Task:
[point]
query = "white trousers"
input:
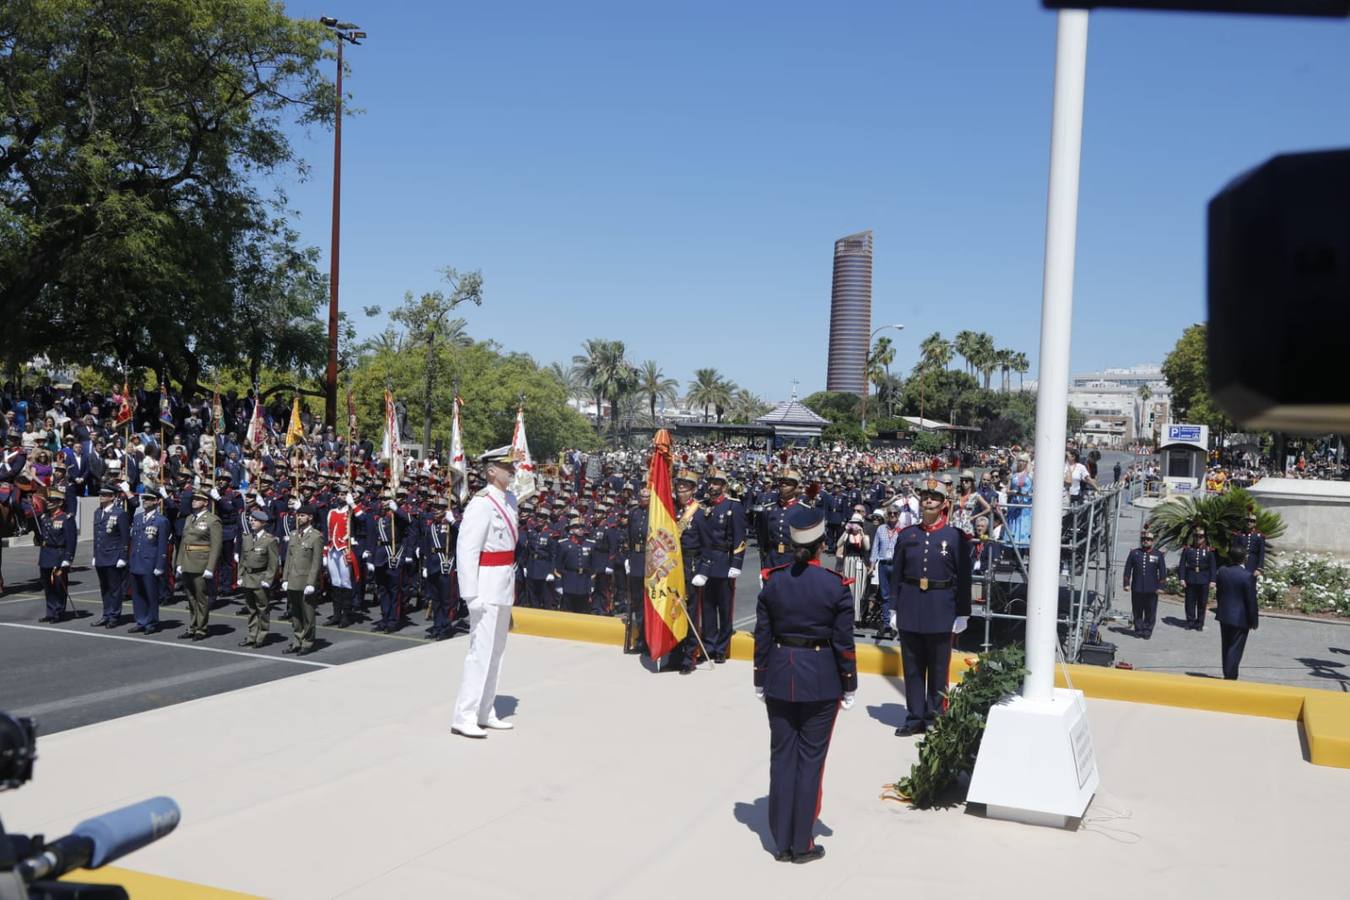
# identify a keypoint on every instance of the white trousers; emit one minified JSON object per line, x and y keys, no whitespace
{"x":489,"y":625}
{"x":339,"y":569}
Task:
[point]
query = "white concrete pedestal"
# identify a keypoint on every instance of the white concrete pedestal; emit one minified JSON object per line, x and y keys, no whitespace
{"x":1036,"y":764}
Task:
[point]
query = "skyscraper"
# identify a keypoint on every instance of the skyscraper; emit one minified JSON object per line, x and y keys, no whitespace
{"x":850,"y":313}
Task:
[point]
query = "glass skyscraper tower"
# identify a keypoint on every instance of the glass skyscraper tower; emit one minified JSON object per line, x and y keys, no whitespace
{"x":850,"y":313}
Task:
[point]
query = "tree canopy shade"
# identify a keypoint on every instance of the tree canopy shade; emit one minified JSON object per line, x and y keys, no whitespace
{"x":132,"y":136}
{"x":1186,"y":369}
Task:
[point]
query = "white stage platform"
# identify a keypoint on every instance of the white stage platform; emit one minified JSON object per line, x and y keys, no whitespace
{"x":346,"y":782}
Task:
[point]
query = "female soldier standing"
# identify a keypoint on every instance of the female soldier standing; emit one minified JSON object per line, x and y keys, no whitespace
{"x":805,"y":669}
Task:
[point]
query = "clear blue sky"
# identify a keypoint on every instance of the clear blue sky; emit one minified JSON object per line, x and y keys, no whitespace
{"x":675,"y":175}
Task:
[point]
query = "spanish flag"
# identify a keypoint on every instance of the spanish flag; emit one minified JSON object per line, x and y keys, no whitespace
{"x":665,"y":620}
{"x":295,"y":432}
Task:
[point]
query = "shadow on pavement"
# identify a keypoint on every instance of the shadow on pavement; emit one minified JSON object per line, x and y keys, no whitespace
{"x":755,"y":816}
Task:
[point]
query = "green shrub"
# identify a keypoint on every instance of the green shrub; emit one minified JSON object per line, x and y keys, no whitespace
{"x":1308,"y":582}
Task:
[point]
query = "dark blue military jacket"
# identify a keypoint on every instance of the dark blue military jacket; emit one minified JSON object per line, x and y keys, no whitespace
{"x":438,"y":547}
{"x":637,"y":541}
{"x":777,"y":537}
{"x":58,"y":542}
{"x":149,"y":543}
{"x":1145,"y":571}
{"x":575,"y":565}
{"x":930,"y":576}
{"x":539,"y":552}
{"x":1197,"y":565}
{"x":1253,"y":544}
{"x":804,"y":635}
{"x":721,"y":534}
{"x":111,"y":534}
{"x":229,"y":509}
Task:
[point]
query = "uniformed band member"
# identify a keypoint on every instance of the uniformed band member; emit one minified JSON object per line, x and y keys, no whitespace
{"x":57,"y":551}
{"x":258,"y":561}
{"x":300,"y":580}
{"x":1235,"y":593}
{"x":805,"y":670}
{"x":687,"y":507}
{"x":112,"y":536}
{"x":575,"y":567}
{"x":931,"y":575}
{"x":721,"y":534}
{"x":1253,"y":544}
{"x":1197,"y":570}
{"x":635,"y":568}
{"x":1145,"y":575}
{"x":776,"y":542}
{"x":486,"y":554}
{"x":149,"y":560}
{"x":198,"y":554}
{"x":438,"y":567}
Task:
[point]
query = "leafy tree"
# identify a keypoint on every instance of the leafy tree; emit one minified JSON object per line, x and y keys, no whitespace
{"x":1187,"y":372}
{"x":746,"y":406}
{"x":710,"y":390}
{"x":134,"y":134}
{"x":840,"y":407}
{"x":965,"y":346}
{"x":927,"y":442}
{"x":654,"y":384}
{"x":1021,"y":365}
{"x":1075,"y":420}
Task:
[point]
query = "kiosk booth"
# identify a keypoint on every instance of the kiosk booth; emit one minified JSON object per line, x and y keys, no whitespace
{"x":1184,"y":450}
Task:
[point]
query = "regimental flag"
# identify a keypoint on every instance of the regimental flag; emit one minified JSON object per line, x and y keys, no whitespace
{"x":522,"y":484}
{"x":665,"y":620}
{"x":257,"y":432}
{"x":295,"y":431}
{"x":165,"y":411}
{"x":391,"y":448}
{"x":127,"y":409}
{"x":217,"y":412}
{"x":458,"y":464}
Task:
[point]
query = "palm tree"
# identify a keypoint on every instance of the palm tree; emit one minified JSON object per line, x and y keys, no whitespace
{"x":1021,"y":365}
{"x":879,"y":362}
{"x":603,"y":369}
{"x":567,"y":377}
{"x":985,"y":357}
{"x":1005,"y":364}
{"x":746,"y":406}
{"x":965,"y":347}
{"x":710,"y":390}
{"x":935,"y":352}
{"x":654,"y":383}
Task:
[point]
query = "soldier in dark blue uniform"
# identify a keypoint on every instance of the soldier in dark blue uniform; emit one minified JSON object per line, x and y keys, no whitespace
{"x":776,"y":542}
{"x":1253,"y":545}
{"x":721,"y":532}
{"x":387,"y":529}
{"x":1235,"y":592}
{"x":1145,"y":575}
{"x":438,"y":566}
{"x":537,"y":560}
{"x":805,"y":669}
{"x":230,"y":511}
{"x":149,"y":560}
{"x":574,"y":567}
{"x":691,"y":547}
{"x":635,"y":567}
{"x":1196,"y":571}
{"x":112,"y":534}
{"x":931,"y":574}
{"x":56,"y":532}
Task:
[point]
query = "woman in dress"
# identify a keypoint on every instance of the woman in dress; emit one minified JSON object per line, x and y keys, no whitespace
{"x":853,"y":552}
{"x":1019,"y":505}
{"x":968,"y":504}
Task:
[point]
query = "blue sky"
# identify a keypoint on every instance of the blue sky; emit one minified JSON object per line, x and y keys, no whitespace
{"x":675,"y":175}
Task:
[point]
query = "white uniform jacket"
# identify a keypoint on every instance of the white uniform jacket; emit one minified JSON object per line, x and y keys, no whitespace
{"x":490,"y":526}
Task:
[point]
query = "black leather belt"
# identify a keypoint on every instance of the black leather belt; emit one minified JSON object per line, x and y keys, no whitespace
{"x":804,"y":643}
{"x":929,"y":584}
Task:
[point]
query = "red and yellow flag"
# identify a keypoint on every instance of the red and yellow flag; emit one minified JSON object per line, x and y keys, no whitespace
{"x":665,"y":621}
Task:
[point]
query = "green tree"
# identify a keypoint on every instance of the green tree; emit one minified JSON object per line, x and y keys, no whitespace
{"x":935,"y":352}
{"x":603,"y":368}
{"x":709,"y":390}
{"x":134,"y":135}
{"x":840,"y":407}
{"x":746,"y":406}
{"x":985,"y":357}
{"x":1187,"y":372}
{"x":965,"y":346}
{"x":1021,"y":365}
{"x":654,"y":384}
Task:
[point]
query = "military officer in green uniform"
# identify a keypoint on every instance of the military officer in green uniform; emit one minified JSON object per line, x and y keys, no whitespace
{"x":198,"y":553}
{"x":257,"y":568}
{"x":300,"y":579}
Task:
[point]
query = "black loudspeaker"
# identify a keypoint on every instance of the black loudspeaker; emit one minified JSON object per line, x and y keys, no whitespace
{"x":1279,"y":294}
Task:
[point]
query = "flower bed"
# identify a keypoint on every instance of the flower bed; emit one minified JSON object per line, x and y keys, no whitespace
{"x":1306,"y":582}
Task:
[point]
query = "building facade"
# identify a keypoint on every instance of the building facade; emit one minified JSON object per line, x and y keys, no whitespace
{"x":1123,"y":406}
{"x":850,"y":314}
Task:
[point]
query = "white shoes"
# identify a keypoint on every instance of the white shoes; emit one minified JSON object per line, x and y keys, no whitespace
{"x":468,"y":731}
{"x":496,"y":724}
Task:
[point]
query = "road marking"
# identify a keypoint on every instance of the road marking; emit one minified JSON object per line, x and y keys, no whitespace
{"x":24,"y":598}
{"x":154,"y":643}
{"x":131,"y":690}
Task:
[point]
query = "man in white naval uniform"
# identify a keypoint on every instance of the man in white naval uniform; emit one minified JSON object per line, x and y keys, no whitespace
{"x":486,"y":551}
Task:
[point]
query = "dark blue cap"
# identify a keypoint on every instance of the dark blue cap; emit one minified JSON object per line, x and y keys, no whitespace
{"x":806,"y":523}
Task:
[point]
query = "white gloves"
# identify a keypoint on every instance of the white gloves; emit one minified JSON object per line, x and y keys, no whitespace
{"x":65,"y":564}
{"x":370,"y":567}
{"x":733,"y":573}
{"x":609,"y":571}
{"x":294,"y":504}
{"x":285,"y":585}
{"x":215,"y":494}
{"x":264,"y":585}
{"x":759,"y":694}
{"x":350,"y":498}
{"x":365,"y":554}
{"x":236,"y":557}
{"x":178,"y":571}
{"x":259,"y":500}
{"x":892,"y":621}
{"x":847,"y":702}
{"x":699,"y":580}
{"x":627,"y":569}
{"x":125,"y":486}
{"x":548,"y":577}
{"x":424,"y":571}
{"x":392,"y":505}
{"x":121,"y":564}
{"x":960,"y":624}
{"x":159,"y":572}
{"x":558,"y":589}
{"x":309,"y":589}
{"x":207,"y":573}
{"x":163,"y":493}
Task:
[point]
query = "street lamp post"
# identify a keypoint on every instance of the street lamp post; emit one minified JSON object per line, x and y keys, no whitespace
{"x":343,"y":33}
{"x":866,"y":357}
